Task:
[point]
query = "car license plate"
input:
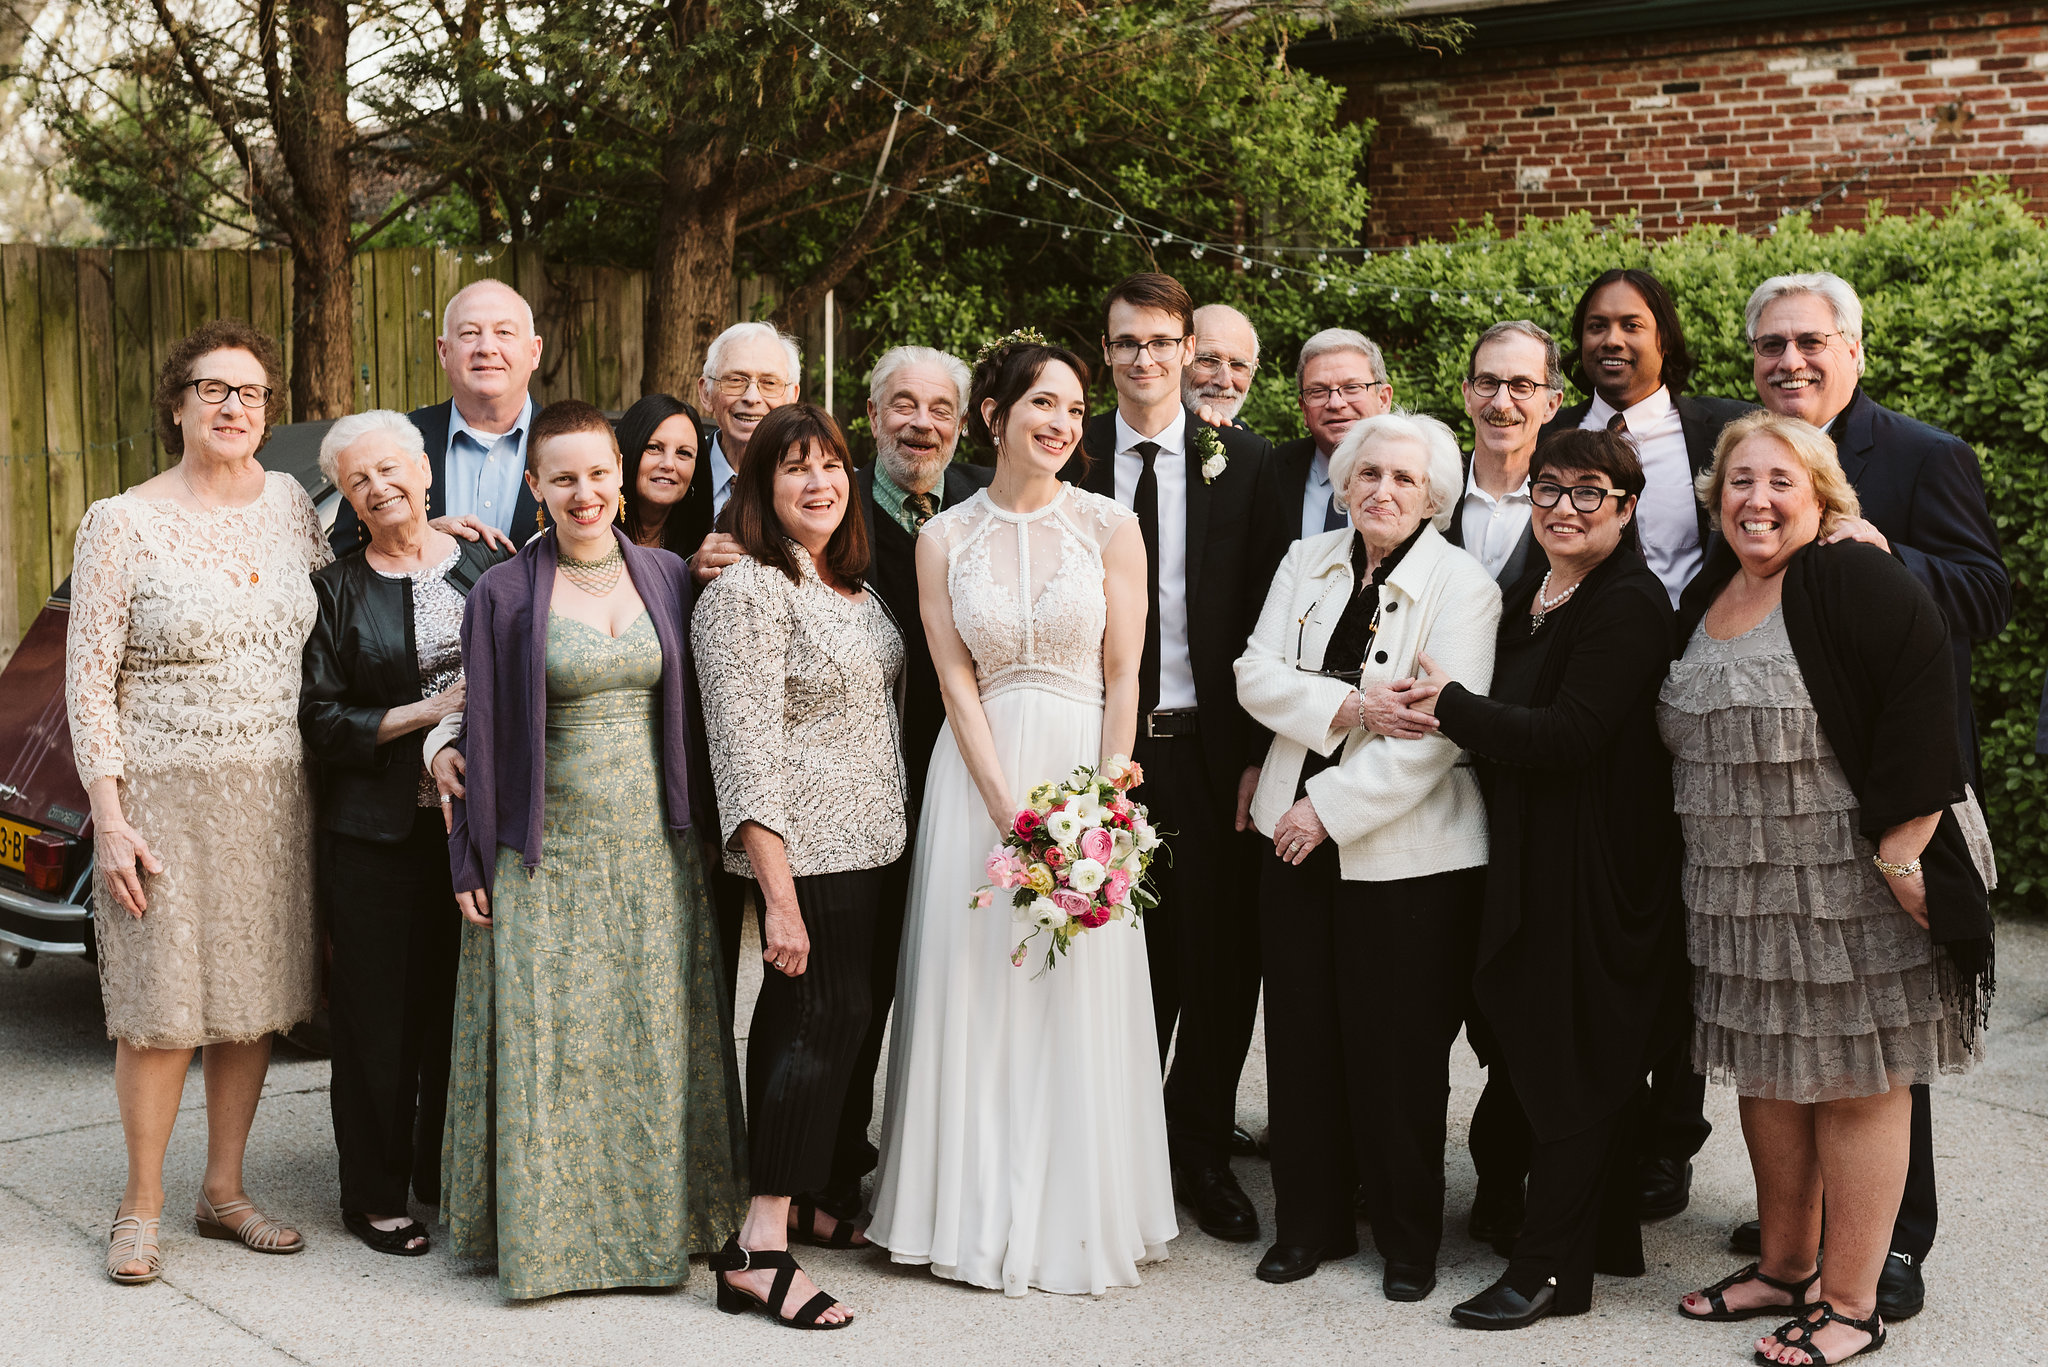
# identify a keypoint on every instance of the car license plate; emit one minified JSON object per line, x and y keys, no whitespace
{"x":13,"y":843}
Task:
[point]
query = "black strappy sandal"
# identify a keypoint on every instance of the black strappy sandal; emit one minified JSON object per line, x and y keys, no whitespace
{"x":734,"y":1301}
{"x":392,"y":1241}
{"x":1806,"y":1327}
{"x":806,"y":1230}
{"x":1721,"y":1313}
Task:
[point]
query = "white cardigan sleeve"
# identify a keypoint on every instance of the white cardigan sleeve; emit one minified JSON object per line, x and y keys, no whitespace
{"x":1381,"y":780}
{"x":1279,"y":697}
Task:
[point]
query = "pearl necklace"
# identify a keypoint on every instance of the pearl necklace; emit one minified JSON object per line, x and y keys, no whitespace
{"x":1545,"y":605}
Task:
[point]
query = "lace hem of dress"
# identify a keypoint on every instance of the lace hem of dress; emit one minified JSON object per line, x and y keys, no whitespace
{"x":1788,"y":788}
{"x":1743,"y":735}
{"x":1044,"y":679}
{"x":1786,"y":1006}
{"x":1736,"y":841}
{"x":1813,"y":1070}
{"x":1792,"y":948}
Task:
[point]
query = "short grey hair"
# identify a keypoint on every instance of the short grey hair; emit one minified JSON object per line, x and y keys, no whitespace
{"x":1553,"y":362}
{"x":1840,"y":294}
{"x":714,"y":355}
{"x":898,"y":358}
{"x":1343,"y":339}
{"x":1236,"y":313}
{"x":1446,"y":466}
{"x":347,"y":431}
{"x":448,"y":309}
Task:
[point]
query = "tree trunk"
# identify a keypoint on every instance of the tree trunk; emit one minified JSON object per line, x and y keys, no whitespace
{"x":690,"y":288}
{"x":313,"y":135}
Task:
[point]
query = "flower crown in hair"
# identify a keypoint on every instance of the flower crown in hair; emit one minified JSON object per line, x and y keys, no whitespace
{"x":1021,"y":337}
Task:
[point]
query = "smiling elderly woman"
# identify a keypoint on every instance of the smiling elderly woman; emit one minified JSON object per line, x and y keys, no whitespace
{"x":1369,"y":902}
{"x":383,"y":663}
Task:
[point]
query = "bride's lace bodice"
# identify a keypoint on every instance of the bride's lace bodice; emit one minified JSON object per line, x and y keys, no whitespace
{"x":1027,"y":589}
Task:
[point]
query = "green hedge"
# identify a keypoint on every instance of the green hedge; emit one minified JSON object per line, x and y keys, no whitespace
{"x":1956,"y":332}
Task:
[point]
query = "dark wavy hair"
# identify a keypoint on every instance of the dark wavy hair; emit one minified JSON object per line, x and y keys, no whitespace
{"x":1006,"y":375}
{"x":1678,"y":362}
{"x":636,"y":428}
{"x":1606,"y":454}
{"x":222,"y":334}
{"x":750,"y":513}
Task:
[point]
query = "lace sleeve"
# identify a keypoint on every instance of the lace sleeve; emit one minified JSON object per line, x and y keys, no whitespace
{"x":303,"y":526}
{"x":98,"y":639}
{"x":1102,"y":517}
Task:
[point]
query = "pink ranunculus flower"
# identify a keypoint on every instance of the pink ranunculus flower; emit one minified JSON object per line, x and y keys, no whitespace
{"x":1074,"y":904}
{"x":1094,"y":916}
{"x":1027,"y":823}
{"x":984,"y":899}
{"x":1096,"y":845}
{"x":1055,"y":857}
{"x":1002,"y":869}
{"x":1117,"y":887}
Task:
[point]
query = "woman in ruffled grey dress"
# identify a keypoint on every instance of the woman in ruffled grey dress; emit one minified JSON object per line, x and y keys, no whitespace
{"x":1811,"y":717}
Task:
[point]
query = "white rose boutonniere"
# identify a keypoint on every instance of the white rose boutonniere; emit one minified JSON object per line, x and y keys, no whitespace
{"x":1209,"y":447}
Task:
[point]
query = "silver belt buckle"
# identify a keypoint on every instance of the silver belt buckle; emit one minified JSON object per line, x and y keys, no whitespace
{"x":1150,"y":733}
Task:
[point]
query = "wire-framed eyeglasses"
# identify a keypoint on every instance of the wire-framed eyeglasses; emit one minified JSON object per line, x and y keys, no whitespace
{"x":1350,"y":676}
{"x":1520,"y":387}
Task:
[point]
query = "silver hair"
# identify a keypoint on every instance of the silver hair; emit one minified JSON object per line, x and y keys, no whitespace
{"x":448,"y":310}
{"x":1343,"y":339}
{"x":714,"y":355}
{"x":1553,"y":367}
{"x":347,"y":431}
{"x":1236,"y":313}
{"x":897,"y":358}
{"x":1840,"y":294}
{"x":1439,"y":443}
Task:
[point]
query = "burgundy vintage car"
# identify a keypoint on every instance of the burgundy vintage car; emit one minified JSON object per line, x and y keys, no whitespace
{"x":45,"y":820}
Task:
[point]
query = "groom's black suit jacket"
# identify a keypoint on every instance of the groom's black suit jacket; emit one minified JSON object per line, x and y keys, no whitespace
{"x":1235,"y":540}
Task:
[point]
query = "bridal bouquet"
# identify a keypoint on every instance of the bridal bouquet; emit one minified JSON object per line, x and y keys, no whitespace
{"x":1075,"y":858}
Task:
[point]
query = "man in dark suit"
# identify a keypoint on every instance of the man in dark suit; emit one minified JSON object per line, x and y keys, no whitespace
{"x":1226,"y":358}
{"x":1629,"y":352}
{"x":1340,"y":379}
{"x":476,"y":441}
{"x":1201,"y":496}
{"x":1514,"y":382}
{"x":1923,"y":501}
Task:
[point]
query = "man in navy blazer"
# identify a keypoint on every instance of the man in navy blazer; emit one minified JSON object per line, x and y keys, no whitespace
{"x":1923,"y":501}
{"x":476,"y":441}
{"x":1340,"y":379}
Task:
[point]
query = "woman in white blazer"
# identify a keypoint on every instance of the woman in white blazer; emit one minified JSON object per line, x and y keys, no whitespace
{"x":1369,"y":899}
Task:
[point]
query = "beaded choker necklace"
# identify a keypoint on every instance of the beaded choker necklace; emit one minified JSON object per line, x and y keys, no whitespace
{"x":595,"y":577}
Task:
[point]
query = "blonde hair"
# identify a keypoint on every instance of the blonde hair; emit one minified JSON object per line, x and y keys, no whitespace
{"x":1815,"y":450}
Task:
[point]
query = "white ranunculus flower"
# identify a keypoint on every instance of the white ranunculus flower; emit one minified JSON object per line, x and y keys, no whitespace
{"x":1046,"y":915}
{"x":1122,"y":845}
{"x":1064,"y":826}
{"x":1148,"y":839}
{"x":1085,"y":875}
{"x":1213,"y":467}
{"x":1089,"y":808}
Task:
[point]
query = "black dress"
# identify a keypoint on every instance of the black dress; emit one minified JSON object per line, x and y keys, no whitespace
{"x":1581,"y":940}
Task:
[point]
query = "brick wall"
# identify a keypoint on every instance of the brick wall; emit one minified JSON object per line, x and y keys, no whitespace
{"x":1903,"y":106}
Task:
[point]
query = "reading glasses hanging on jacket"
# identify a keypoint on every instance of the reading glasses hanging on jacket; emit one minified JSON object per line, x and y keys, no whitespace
{"x":1350,"y":676}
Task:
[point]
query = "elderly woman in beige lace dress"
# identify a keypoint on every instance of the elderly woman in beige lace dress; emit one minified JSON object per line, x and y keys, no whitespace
{"x":190,"y":606}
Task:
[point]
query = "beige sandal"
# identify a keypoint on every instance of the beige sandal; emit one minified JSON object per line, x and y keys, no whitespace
{"x":259,"y":1231}
{"x":133,"y":1240}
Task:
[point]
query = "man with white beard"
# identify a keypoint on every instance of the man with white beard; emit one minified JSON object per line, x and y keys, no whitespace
{"x":1215,"y":383}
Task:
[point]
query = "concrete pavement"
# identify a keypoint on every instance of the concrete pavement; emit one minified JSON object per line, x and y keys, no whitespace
{"x":338,"y":1304}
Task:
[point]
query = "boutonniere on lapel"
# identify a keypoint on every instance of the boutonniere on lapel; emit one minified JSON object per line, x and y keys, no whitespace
{"x":1209,"y":447}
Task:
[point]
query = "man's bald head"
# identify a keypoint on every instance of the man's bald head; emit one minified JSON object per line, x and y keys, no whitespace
{"x":488,"y":349}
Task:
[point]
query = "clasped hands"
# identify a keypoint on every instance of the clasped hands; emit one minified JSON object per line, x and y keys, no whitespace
{"x":1404,"y":709}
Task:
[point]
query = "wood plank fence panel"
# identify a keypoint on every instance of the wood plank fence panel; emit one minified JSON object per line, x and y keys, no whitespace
{"x":270,"y":308}
{"x":63,"y":420}
{"x":99,"y":411}
{"x":134,"y":366}
{"x":27,"y":523}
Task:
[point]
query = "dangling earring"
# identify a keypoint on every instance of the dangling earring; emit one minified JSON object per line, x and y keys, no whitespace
{"x":622,"y":510}
{"x":540,"y":519}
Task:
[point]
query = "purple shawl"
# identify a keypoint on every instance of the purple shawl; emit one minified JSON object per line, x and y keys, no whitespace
{"x":504,"y":736}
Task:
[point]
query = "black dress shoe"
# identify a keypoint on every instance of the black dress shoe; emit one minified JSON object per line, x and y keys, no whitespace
{"x":1666,"y":1190}
{"x":1747,"y":1237}
{"x":1222,"y":1210}
{"x":1901,"y":1293}
{"x":1500,"y":1306}
{"x":1407,"y":1281}
{"x":1291,"y":1262}
{"x":1242,"y":1145}
{"x":1497,"y":1218}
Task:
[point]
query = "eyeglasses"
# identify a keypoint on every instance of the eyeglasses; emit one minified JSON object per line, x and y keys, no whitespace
{"x":1124,"y":351}
{"x":1521,"y":387}
{"x":1350,"y":676}
{"x":1587,"y":498}
{"x":1350,"y":393}
{"x":1770,"y":346}
{"x":217,"y":391}
{"x":732,"y":386}
{"x":1210,"y":361}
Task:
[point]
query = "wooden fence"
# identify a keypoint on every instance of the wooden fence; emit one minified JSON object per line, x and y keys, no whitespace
{"x":84,"y":332}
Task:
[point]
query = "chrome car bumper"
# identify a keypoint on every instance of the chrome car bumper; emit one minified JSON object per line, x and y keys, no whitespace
{"x":48,"y":927}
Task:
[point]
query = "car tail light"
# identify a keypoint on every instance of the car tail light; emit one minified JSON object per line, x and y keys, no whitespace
{"x":43,"y":859}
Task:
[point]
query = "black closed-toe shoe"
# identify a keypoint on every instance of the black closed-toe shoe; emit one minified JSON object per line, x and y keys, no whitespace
{"x":1408,"y":1281}
{"x":1901,"y":1293}
{"x":1497,"y":1218}
{"x":1222,"y":1210}
{"x":1242,"y":1145}
{"x":1500,"y":1306}
{"x":1666,"y":1190}
{"x":1285,"y":1263}
{"x":1747,"y":1238}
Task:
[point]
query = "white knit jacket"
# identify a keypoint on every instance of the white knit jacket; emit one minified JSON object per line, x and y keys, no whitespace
{"x":1396,"y":808}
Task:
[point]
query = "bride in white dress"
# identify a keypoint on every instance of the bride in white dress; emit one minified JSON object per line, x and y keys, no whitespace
{"x":1024,"y":1135}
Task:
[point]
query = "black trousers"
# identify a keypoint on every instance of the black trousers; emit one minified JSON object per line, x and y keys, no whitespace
{"x":1678,"y":1125}
{"x":1913,"y":1231}
{"x":1205,"y":977}
{"x":397,"y":937}
{"x":1367,"y":985}
{"x":729,"y":909}
{"x":1581,"y":1214}
{"x":1499,"y":1137}
{"x":853,"y":1156}
{"x":807,"y":1031}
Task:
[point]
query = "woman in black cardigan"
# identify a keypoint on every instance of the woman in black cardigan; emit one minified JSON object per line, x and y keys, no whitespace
{"x":384,"y":663}
{"x":661,"y":441}
{"x":1836,"y":909}
{"x":1579,"y":943}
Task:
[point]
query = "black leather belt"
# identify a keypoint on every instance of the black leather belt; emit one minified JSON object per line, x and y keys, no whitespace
{"x":1171,"y":723}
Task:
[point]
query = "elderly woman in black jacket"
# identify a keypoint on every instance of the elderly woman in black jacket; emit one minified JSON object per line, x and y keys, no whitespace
{"x":384,"y":662}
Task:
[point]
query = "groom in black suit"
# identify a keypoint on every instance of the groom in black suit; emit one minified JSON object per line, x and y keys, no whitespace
{"x":1204,"y":506}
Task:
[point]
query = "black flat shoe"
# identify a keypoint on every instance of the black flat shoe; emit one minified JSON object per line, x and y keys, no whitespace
{"x":1408,"y":1281}
{"x":1901,"y":1294}
{"x":392,"y":1241}
{"x":1666,"y":1189}
{"x":1500,"y":1306}
{"x":1747,"y":1239}
{"x":1291,"y":1262}
{"x":1496,"y":1219}
{"x":1222,"y":1210}
{"x":1242,"y":1145}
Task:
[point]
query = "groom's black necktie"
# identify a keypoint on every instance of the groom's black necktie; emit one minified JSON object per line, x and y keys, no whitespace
{"x":1145,"y":503}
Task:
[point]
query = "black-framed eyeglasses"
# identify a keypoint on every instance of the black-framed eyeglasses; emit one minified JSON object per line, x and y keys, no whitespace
{"x":1770,"y":346}
{"x":217,"y":391}
{"x":1350,"y":393}
{"x":1520,"y":387}
{"x":1124,"y":350}
{"x":1587,"y":498}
